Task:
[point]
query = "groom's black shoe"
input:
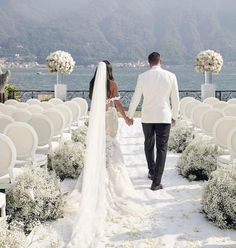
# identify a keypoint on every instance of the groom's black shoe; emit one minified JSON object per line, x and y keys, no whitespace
{"x":150,"y":176}
{"x":156,"y":186}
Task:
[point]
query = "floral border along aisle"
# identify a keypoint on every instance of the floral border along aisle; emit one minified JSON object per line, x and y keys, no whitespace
{"x":34,"y":199}
{"x":199,"y":159}
{"x":67,"y":160}
{"x":180,"y":137}
{"x":219,"y":198}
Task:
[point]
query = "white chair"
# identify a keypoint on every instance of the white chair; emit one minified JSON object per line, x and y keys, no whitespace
{"x":75,"y":109}
{"x":221,"y":131}
{"x":208,"y":120}
{"x":33,"y":101}
{"x":56,"y":101}
{"x":3,"y":204}
{"x":5,"y":120}
{"x":25,"y":140}
{"x":231,"y":144}
{"x":44,"y":129}
{"x":183,"y":102}
{"x":46,"y":105}
{"x":211,"y":100}
{"x":11,"y":102}
{"x":8,"y":110}
{"x":22,"y":105}
{"x":197,"y":113}
{"x":21,"y":115}
{"x":35,"y":109}
{"x":67,"y":113}
{"x":188,"y":109}
{"x":57,"y":119}
{"x":232,"y":101}
{"x":83,"y":105}
{"x":8,"y":160}
{"x":222,"y":128}
{"x":230,"y":110}
{"x":220,"y":105}
{"x":1,"y":105}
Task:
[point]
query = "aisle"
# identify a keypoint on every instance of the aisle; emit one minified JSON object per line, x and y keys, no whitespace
{"x":176,"y":220}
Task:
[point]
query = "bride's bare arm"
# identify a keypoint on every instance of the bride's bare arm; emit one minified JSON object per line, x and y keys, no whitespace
{"x":119,"y":106}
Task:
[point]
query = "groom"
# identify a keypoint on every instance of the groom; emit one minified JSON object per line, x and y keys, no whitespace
{"x":159,"y":89}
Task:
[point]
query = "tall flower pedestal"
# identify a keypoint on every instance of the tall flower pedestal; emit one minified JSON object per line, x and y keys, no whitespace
{"x":208,"y":89}
{"x":60,"y":91}
{"x":60,"y":88}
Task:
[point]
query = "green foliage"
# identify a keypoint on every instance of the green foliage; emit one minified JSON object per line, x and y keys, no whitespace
{"x":12,"y":92}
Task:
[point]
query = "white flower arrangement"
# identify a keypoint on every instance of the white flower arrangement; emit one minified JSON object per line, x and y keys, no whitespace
{"x":11,"y":238}
{"x":67,"y":160}
{"x":80,"y":134}
{"x":35,"y":198}
{"x":209,"y":61}
{"x":180,"y":137}
{"x":199,"y":159}
{"x":60,"y":61}
{"x":219,"y":198}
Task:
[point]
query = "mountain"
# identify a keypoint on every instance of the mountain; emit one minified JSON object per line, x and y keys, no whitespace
{"x":118,"y":30}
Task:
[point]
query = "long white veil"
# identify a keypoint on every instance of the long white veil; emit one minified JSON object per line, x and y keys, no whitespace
{"x":89,"y":226}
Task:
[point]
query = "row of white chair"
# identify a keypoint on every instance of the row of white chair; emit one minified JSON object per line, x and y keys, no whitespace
{"x":212,"y":121}
{"x":83,"y":105}
{"x":187,"y":106}
{"x":26,"y":143}
{"x":70,"y":111}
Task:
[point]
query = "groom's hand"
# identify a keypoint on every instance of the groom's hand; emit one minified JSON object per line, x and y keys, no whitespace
{"x":173,"y":122}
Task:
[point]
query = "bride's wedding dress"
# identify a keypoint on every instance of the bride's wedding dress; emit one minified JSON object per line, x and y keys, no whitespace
{"x":105,"y":191}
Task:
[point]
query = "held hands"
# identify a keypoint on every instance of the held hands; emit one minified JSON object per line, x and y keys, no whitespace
{"x":173,"y":122}
{"x":129,"y":121}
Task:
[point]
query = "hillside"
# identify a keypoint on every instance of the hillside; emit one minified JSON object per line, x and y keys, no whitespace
{"x":117,"y":29}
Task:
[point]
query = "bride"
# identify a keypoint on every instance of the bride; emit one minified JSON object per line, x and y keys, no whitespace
{"x":105,"y":188}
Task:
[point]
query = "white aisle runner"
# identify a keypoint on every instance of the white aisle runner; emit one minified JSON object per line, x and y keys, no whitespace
{"x":176,"y":221}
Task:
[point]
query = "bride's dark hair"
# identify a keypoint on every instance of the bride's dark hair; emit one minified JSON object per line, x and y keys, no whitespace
{"x":109,"y":78}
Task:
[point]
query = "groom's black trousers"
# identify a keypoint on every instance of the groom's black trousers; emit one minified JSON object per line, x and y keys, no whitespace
{"x":156,"y":133}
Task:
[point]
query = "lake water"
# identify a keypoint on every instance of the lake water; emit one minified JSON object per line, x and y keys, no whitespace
{"x":126,"y":78}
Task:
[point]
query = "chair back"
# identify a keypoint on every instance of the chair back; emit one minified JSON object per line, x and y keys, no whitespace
{"x":82,"y":104}
{"x":11,"y":102}
{"x":5,"y":120}
{"x":43,"y":127}
{"x":232,"y":101}
{"x":35,"y":109}
{"x":33,"y":101}
{"x":75,"y":109}
{"x":8,"y":156}
{"x":197,"y":113}
{"x":211,"y":100}
{"x":56,"y":101}
{"x":21,"y":115}
{"x":188,"y":109}
{"x":8,"y":110}
{"x":230,"y":110}
{"x":231,"y":142}
{"x":46,"y":105}
{"x":221,"y":130}
{"x":208,"y":120}
{"x":220,"y":105}
{"x":24,"y":138}
{"x":183,"y":102}
{"x":67,"y":113}
{"x":22,"y":105}
{"x":57,"y":119}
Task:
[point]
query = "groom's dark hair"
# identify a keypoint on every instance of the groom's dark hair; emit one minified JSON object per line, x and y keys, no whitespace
{"x":154,"y":58}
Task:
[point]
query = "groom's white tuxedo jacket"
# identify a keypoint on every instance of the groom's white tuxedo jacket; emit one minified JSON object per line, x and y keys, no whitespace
{"x":159,"y":89}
